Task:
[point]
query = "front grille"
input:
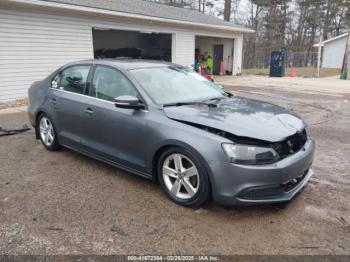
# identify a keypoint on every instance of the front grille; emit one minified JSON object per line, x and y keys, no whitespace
{"x":291,"y":144}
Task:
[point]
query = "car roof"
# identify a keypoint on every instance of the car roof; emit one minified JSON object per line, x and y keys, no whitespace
{"x":127,"y":64}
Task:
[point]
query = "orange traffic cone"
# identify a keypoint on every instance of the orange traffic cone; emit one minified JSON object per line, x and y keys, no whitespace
{"x":222,"y":68}
{"x":293,"y":72}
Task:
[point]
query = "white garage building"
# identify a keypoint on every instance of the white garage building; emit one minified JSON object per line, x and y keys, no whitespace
{"x":37,"y":37}
{"x":333,"y":51}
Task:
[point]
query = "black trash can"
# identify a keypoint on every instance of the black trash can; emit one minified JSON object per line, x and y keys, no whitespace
{"x":277,"y":65}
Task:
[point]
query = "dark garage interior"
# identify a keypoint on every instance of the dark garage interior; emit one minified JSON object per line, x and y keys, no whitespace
{"x":110,"y":43}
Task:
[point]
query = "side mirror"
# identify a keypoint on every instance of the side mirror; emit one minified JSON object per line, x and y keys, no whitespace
{"x":54,"y":84}
{"x":129,"y":102}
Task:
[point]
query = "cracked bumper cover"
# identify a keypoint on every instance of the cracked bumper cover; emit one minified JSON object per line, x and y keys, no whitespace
{"x":247,"y":184}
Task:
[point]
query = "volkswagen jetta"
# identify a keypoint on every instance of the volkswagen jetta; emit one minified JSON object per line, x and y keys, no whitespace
{"x":167,"y":123}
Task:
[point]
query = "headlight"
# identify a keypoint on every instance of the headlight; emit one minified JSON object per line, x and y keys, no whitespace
{"x":251,"y":155}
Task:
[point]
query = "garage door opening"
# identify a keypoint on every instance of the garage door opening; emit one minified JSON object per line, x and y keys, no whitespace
{"x":131,"y":44}
{"x":214,"y":54}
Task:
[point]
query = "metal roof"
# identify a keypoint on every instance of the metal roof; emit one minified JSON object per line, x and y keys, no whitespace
{"x":332,"y":39}
{"x":150,"y":9}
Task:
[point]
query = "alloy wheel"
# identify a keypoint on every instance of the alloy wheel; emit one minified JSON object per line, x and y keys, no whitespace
{"x":180,"y":176}
{"x":47,"y":133}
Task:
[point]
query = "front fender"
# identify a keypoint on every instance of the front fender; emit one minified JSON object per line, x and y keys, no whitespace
{"x":152,"y":161}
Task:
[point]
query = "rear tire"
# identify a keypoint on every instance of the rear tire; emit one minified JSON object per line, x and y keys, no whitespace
{"x":47,"y":133}
{"x":183,"y":179}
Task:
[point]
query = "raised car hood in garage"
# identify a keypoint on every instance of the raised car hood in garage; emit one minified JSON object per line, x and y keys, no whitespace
{"x":242,"y":117}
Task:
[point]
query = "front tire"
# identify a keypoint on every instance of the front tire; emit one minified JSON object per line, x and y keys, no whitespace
{"x":183,"y":179}
{"x":47,"y":133}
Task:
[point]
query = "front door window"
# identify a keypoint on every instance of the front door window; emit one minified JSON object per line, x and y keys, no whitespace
{"x":109,"y":83}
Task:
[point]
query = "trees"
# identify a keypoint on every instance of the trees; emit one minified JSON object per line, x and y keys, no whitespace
{"x":335,"y":13}
{"x":227,"y":10}
{"x":270,"y":20}
{"x":294,"y":25}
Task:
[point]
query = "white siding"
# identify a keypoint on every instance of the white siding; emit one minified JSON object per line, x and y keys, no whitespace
{"x":32,"y":46}
{"x":183,"y":47}
{"x":333,"y":53}
{"x":34,"y":43}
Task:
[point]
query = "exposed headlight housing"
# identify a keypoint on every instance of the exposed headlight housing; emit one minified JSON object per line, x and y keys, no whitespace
{"x":249,"y":154}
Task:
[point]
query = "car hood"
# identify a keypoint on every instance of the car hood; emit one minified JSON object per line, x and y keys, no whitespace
{"x":242,"y":117}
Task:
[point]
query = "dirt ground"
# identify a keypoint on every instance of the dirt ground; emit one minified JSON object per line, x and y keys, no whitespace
{"x":65,"y":203}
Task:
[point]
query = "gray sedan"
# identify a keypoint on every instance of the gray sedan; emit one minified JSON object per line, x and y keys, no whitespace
{"x":167,"y":123}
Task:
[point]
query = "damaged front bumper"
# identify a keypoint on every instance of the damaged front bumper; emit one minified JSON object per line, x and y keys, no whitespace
{"x":273,"y":183}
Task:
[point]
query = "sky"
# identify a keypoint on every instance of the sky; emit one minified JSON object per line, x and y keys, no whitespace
{"x":241,"y":11}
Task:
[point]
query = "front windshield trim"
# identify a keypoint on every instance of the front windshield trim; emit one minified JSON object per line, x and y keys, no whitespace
{"x":199,"y":102}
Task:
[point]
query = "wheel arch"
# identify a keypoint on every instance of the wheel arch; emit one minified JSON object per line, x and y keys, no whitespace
{"x":39,"y":113}
{"x":37,"y":116}
{"x":157,"y":152}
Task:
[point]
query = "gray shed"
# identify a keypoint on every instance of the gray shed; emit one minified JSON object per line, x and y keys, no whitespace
{"x":333,"y":51}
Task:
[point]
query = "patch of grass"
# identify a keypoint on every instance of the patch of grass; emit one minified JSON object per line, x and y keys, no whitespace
{"x":301,"y":71}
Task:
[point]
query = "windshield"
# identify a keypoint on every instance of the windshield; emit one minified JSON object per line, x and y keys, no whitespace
{"x":168,"y":85}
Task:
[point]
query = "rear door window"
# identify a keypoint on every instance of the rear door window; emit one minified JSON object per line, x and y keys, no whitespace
{"x":72,"y":79}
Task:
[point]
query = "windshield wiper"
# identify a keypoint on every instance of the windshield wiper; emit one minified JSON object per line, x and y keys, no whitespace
{"x":229,"y":94}
{"x":226,"y":95}
{"x":190,"y":103}
{"x":217,"y":98}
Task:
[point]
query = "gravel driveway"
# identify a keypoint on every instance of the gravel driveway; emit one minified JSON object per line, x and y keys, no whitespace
{"x":66,"y":203}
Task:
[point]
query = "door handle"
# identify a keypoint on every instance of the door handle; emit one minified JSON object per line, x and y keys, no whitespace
{"x":53,"y":100}
{"x":89,"y":111}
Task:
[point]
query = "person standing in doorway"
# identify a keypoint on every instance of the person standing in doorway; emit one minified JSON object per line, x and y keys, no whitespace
{"x":210,"y":63}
